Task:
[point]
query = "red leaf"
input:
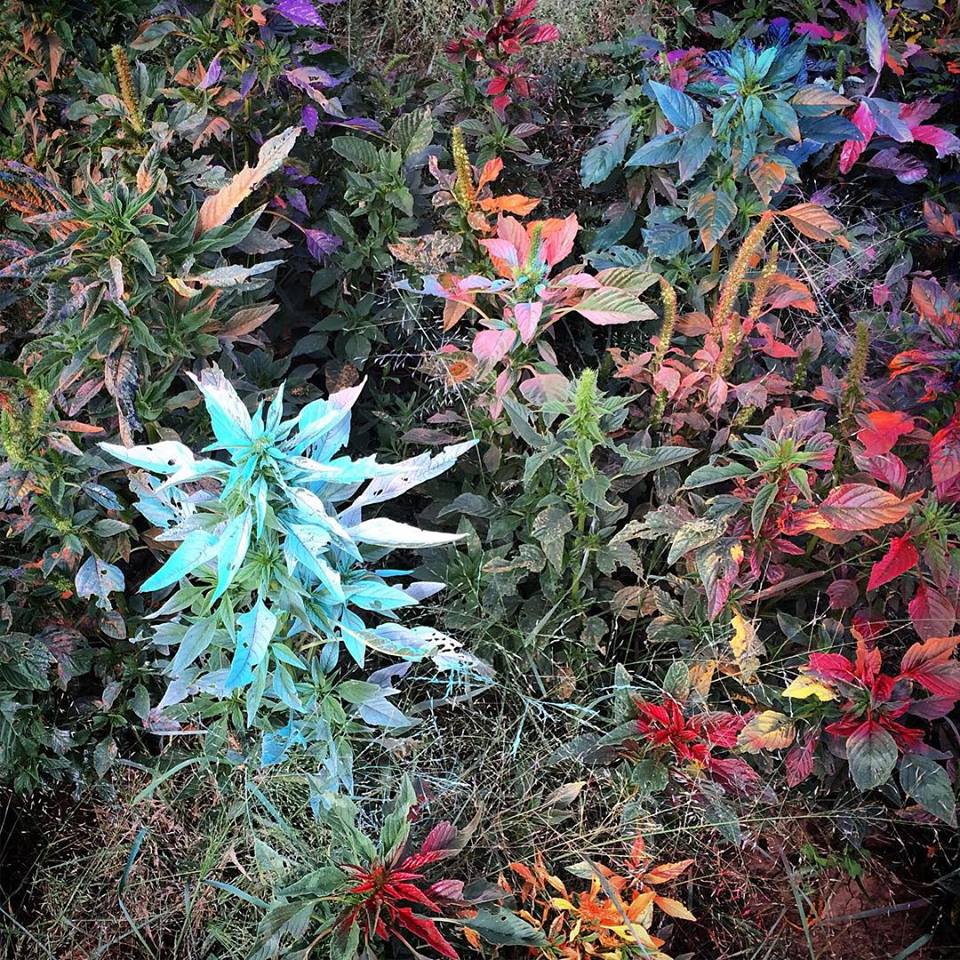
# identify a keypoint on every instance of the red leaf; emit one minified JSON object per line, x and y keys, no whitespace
{"x":800,"y":762}
{"x":945,"y":453}
{"x":830,"y":666}
{"x":933,"y":615}
{"x":901,"y":557}
{"x":883,"y":431}
{"x":931,"y":664}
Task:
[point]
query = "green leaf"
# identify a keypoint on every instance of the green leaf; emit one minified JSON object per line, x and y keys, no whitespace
{"x":549,"y":529}
{"x":360,"y":152}
{"x":396,"y":824}
{"x":696,"y":533}
{"x":504,"y":928}
{"x":644,"y":461}
{"x":707,"y":475}
{"x":676,"y":681}
{"x":358,"y":691}
{"x":344,"y":943}
{"x":412,"y":132}
{"x":609,"y":307}
{"x":928,"y":783}
{"x":761,"y":504}
{"x":872,"y":755}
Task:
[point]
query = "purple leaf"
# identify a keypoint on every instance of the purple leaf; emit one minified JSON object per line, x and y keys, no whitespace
{"x":301,"y":12}
{"x":321,"y":244}
{"x":213,"y":74}
{"x":247,"y":81}
{"x":298,"y":201}
{"x":905,"y":168}
{"x":357,"y":123}
{"x":309,"y":118}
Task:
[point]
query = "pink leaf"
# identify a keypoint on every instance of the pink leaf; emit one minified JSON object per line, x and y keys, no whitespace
{"x":863,"y":120}
{"x":527,"y":316}
{"x":493,"y":345}
{"x":944,"y":142}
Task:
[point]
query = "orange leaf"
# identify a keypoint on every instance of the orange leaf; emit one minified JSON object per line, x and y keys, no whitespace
{"x":491,"y":170}
{"x":814,"y":222}
{"x":666,"y":872}
{"x":511,"y":203}
{"x":673,"y":908}
{"x":218,"y":208}
{"x":768,"y":176}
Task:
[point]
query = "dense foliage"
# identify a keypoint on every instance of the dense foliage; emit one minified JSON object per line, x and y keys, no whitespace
{"x":642,"y":365}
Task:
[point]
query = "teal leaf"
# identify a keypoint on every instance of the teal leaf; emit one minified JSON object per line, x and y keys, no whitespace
{"x":696,"y":146}
{"x":782,"y":117}
{"x":656,"y":152}
{"x":229,"y":418}
{"x":197,"y":548}
{"x":607,"y":153}
{"x":681,"y":110}
{"x":165,"y":456}
{"x":256,"y":630}
{"x":235,"y":542}
{"x":97,"y":578}
{"x":195,"y":642}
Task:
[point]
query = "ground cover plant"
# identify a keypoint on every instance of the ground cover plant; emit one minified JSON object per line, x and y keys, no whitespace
{"x":479,"y":479}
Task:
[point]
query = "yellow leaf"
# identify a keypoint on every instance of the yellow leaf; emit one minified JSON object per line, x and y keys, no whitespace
{"x":560,"y":904}
{"x":744,"y":635}
{"x":770,"y":730}
{"x":745,"y":645}
{"x":803,"y":687}
{"x":701,"y":676}
{"x":182,"y":289}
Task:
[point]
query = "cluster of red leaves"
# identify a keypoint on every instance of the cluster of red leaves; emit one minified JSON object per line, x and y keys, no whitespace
{"x":500,"y":48}
{"x":869,"y":699}
{"x":691,"y":741}
{"x":384,"y":896}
